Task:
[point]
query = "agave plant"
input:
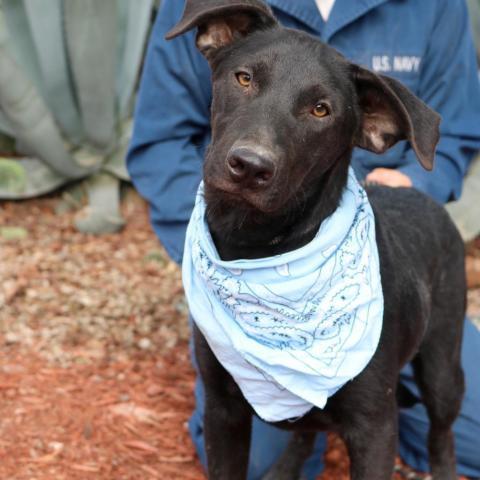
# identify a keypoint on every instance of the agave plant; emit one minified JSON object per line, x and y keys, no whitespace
{"x":68,"y":70}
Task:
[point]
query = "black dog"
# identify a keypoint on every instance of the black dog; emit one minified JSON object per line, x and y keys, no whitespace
{"x":287,"y":112}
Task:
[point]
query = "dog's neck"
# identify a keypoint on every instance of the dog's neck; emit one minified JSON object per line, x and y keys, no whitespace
{"x":239,"y":232}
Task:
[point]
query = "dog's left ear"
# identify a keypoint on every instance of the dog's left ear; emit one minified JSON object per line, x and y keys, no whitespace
{"x":221,"y":22}
{"x":390,"y":112}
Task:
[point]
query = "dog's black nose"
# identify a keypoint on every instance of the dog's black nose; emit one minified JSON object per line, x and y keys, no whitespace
{"x":250,"y":168}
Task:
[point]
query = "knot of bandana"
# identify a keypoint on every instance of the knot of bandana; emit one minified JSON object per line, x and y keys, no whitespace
{"x":291,"y":329}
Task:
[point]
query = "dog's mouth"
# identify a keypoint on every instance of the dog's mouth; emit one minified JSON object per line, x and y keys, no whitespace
{"x":263,"y":201}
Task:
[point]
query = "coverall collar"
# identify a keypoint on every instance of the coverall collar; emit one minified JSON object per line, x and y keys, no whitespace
{"x":344,"y":12}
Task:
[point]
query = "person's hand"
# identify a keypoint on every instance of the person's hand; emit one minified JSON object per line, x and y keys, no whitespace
{"x":388,"y":177}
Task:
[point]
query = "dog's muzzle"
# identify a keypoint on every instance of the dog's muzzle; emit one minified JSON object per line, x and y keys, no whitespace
{"x":249,"y":168}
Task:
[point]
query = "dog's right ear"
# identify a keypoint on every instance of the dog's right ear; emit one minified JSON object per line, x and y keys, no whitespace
{"x":221,"y":22}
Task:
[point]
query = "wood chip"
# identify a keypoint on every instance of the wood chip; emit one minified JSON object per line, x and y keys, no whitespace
{"x":143,"y":446}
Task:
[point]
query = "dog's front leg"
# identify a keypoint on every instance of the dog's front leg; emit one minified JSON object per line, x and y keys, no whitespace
{"x":227,"y":438}
{"x":227,"y":418}
{"x":372,"y":445}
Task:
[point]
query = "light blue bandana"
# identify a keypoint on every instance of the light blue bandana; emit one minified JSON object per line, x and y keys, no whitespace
{"x":291,"y":329}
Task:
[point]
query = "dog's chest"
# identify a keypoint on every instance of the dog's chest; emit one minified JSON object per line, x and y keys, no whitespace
{"x":294,"y":328}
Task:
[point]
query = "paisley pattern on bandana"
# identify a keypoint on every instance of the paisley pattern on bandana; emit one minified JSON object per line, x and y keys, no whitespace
{"x":291,"y":329}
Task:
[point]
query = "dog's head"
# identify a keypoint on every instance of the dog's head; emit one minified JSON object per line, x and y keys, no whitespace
{"x":288,"y":110}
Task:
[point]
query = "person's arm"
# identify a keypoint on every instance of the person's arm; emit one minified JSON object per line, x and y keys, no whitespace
{"x":171,"y":130}
{"x":449,"y":84}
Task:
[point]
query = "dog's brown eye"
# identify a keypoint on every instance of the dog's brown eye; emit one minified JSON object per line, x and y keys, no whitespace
{"x":244,"y":79}
{"x":320,"y":110}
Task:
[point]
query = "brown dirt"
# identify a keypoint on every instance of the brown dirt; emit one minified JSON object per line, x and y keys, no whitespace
{"x":95,"y":379}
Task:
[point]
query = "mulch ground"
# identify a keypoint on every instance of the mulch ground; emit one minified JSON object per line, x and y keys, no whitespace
{"x":95,"y":377}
